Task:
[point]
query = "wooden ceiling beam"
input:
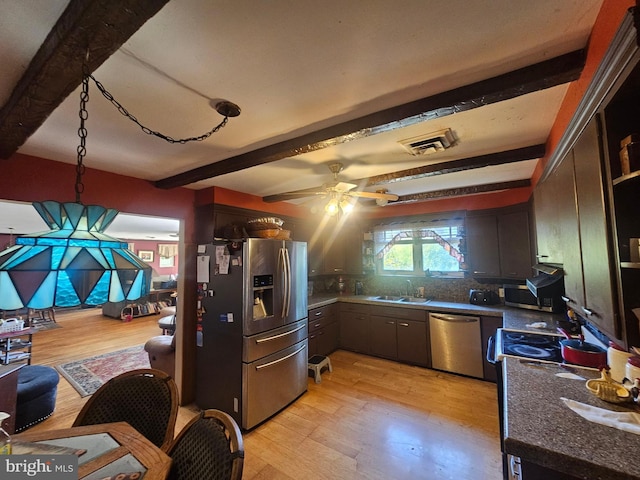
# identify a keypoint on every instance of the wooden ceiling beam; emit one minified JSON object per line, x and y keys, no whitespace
{"x":546,"y":74}
{"x":499,"y":158}
{"x":442,"y":168}
{"x":88,"y":32}
{"x":460,"y":191}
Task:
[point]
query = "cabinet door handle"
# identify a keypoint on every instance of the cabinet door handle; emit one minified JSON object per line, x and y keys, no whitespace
{"x":317,"y":314}
{"x":317,"y":325}
{"x":390,"y":322}
{"x":587,"y":312}
{"x":566,"y":299}
{"x":542,"y":256}
{"x":402,"y":324}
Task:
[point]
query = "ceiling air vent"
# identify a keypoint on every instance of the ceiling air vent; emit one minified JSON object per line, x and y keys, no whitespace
{"x":429,"y":143}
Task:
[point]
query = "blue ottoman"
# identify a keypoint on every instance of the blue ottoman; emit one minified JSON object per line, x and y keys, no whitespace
{"x":36,"y":400}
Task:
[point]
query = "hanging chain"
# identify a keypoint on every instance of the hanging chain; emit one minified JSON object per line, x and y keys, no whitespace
{"x":147,"y":130}
{"x":82,"y":133}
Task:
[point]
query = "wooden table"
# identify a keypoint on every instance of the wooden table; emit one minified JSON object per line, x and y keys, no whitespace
{"x":112,"y":448}
{"x":9,"y":393}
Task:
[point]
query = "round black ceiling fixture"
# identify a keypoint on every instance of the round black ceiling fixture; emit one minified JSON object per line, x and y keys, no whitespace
{"x":227,"y":109}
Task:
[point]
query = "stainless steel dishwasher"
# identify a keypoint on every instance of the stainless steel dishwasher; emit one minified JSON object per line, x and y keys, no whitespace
{"x":456,"y":344}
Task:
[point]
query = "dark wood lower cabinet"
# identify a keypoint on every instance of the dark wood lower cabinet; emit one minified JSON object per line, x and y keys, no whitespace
{"x":413,"y":342}
{"x":354,"y":327}
{"x":382,"y":337}
{"x":328,"y":338}
{"x":396,"y":333}
{"x":533,"y":471}
{"x":323,"y":330}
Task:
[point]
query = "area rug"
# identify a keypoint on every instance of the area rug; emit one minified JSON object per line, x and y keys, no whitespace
{"x":87,"y":375}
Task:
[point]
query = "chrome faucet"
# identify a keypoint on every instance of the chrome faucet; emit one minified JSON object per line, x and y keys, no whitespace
{"x":409,"y":288}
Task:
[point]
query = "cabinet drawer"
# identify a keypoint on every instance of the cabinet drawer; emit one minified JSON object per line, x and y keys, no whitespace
{"x":355,"y":308}
{"x":321,"y":322}
{"x":321,"y":313}
{"x":399,"y":312}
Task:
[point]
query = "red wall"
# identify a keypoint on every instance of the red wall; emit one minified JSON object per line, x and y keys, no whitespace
{"x":27,"y":179}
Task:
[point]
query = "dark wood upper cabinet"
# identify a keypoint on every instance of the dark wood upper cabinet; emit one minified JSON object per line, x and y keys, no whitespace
{"x":597,"y":267}
{"x":499,"y":243}
{"x":514,"y":244}
{"x":482,"y":245}
{"x":549,"y":199}
{"x":568,"y":222}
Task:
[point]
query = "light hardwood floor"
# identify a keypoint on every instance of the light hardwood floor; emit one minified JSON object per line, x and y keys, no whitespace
{"x":369,"y":419}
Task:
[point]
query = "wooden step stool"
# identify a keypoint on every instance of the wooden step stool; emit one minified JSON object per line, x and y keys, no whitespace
{"x":317,"y":363}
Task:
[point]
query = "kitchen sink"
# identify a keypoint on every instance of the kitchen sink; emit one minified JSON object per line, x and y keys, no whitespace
{"x":415,"y":299}
{"x":389,"y":297}
{"x":394,"y":298}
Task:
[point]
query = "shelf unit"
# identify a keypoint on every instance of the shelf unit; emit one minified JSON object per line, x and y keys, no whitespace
{"x":368,"y":256}
{"x":620,"y":119}
{"x":16,"y":346}
{"x":142,"y":309}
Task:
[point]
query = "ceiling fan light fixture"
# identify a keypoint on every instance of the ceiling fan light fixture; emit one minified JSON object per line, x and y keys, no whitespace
{"x":381,"y":202}
{"x":347,"y":205}
{"x":332,"y":207}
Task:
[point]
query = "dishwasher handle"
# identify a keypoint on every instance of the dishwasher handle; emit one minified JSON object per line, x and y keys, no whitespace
{"x":453,"y":318}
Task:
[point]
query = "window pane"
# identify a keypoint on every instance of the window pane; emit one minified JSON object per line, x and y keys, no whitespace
{"x":436,"y":258}
{"x":399,"y":257}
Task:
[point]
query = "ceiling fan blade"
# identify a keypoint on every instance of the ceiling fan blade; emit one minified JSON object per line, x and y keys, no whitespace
{"x":343,"y":187}
{"x":281,"y":197}
{"x":384,"y":196}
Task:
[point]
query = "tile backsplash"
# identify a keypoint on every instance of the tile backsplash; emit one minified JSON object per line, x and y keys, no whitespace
{"x":442,"y":289}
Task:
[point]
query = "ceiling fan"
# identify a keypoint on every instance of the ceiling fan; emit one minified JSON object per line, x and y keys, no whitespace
{"x":341,"y":194}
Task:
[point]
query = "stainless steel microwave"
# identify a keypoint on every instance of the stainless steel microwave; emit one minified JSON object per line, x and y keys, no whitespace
{"x":521,"y":297}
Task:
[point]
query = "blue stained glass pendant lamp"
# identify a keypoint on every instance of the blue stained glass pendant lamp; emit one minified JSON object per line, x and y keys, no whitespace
{"x":74,"y":263}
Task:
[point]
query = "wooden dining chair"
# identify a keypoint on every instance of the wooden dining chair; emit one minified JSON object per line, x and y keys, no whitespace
{"x":147,"y":399}
{"x":209,"y":446}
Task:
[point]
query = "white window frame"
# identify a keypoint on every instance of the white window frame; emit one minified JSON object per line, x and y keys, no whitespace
{"x":415,"y":232}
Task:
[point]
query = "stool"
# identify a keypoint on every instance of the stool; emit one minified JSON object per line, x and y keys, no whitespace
{"x":36,"y":398}
{"x":167,"y":324}
{"x":317,"y":363}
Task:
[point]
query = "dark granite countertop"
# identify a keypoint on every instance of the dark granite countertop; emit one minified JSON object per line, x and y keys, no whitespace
{"x":514,"y":318}
{"x":540,"y":428}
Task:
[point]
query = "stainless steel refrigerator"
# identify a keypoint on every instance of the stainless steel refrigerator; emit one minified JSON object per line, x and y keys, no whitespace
{"x":252,"y":338}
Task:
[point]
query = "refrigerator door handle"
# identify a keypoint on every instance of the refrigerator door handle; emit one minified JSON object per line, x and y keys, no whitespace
{"x":274,"y":337}
{"x":286,"y":275}
{"x":283,"y":270}
{"x":288,"y":269}
{"x":258,"y":367}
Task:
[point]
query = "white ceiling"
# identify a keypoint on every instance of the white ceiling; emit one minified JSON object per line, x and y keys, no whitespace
{"x":296,"y":67}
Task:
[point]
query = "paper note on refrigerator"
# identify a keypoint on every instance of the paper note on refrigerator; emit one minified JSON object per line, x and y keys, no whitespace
{"x":202,"y":271}
{"x":222,"y":260}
